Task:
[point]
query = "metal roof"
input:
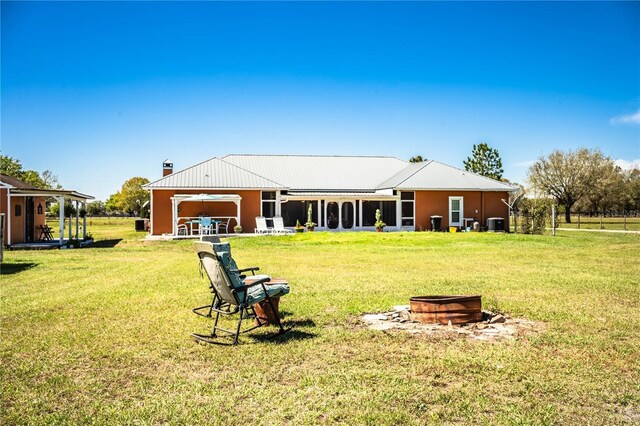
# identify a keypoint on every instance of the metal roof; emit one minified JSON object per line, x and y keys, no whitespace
{"x":432,"y":175}
{"x":214,"y":173}
{"x":321,"y":172}
{"x":23,"y":189}
{"x":315,"y":174}
{"x":13,"y":182}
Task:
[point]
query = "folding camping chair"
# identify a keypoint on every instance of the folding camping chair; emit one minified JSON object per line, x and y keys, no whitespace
{"x":231,"y":295}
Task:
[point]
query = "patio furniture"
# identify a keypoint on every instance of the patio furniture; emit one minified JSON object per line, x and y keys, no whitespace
{"x":224,"y":226}
{"x":46,"y":233}
{"x":182,"y":229}
{"x":206,"y":226}
{"x":261,"y":226}
{"x":231,"y":296}
{"x":191,"y":223}
{"x":278,"y":226}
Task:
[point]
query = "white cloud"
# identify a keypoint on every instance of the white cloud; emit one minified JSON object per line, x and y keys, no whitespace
{"x":626,"y":119}
{"x":628,"y":165}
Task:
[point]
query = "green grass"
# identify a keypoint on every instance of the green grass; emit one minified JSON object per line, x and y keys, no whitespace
{"x":101,"y":335}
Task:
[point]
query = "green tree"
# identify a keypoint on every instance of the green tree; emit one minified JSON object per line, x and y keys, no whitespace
{"x":607,"y":192}
{"x":569,"y":176}
{"x":485,"y":161}
{"x":113,"y":202}
{"x":96,"y":208}
{"x":416,"y":159}
{"x":50,"y":180}
{"x":10,"y":166}
{"x":131,"y":198}
{"x":13,"y":167}
{"x":69,"y":209}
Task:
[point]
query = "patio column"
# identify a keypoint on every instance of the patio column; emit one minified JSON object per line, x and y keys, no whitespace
{"x":339,"y":215}
{"x":360,"y":213}
{"x":319,"y":213}
{"x":84,"y":220}
{"x":77,"y":219}
{"x":238,"y":213}
{"x":7,"y":219}
{"x":60,"y":201}
{"x":174,"y":217}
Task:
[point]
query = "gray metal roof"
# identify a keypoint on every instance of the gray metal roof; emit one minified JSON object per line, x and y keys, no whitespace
{"x":432,"y":175}
{"x":319,"y":172}
{"x":214,"y":173}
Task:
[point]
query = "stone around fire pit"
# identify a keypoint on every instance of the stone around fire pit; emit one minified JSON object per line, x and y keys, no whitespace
{"x":493,"y":328}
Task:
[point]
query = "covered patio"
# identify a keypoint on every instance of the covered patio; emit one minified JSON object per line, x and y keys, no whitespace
{"x":40,"y":235}
{"x":179,"y":220}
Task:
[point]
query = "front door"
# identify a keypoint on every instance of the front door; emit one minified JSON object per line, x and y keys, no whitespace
{"x":29,"y":226}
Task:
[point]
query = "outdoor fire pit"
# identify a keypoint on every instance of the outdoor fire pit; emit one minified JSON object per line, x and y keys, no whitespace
{"x":442,"y":309}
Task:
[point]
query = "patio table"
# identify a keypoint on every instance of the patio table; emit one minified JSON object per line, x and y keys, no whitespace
{"x":197,"y":221}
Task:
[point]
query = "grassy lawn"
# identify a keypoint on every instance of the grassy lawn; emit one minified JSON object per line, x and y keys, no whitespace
{"x":101,"y":335}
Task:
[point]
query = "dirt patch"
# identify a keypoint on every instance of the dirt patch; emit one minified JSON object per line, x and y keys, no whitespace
{"x":493,"y":328}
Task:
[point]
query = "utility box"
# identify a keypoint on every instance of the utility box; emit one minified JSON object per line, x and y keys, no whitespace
{"x":140,"y":224}
{"x":495,"y":224}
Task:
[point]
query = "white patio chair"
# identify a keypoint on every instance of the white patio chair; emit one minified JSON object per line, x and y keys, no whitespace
{"x":261,"y":226}
{"x":278,"y":226}
{"x":182,"y":229}
{"x":223,"y":227}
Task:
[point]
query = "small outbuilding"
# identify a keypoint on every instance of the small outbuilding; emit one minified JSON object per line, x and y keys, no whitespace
{"x":23,"y":209}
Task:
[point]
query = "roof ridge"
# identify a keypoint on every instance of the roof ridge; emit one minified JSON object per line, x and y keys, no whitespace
{"x":312,"y":155}
{"x":253,"y":173}
{"x":422,"y":163}
{"x":208,"y":160}
{"x":180,"y":171}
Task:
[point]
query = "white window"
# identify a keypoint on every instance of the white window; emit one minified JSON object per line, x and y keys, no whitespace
{"x":456,"y":210}
{"x":407,"y":208}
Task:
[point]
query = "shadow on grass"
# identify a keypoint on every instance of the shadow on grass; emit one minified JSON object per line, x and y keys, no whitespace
{"x":106,"y":243}
{"x":14,"y":268}
{"x":291,"y":335}
{"x":296,"y":322}
{"x":227,"y":340}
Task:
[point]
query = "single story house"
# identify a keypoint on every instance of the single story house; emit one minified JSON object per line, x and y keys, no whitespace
{"x":23,"y":210}
{"x":343,"y":192}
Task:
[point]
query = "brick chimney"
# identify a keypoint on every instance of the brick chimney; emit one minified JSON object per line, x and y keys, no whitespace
{"x":167,"y":168}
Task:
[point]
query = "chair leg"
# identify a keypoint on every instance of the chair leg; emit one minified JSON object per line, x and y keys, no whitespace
{"x":235,"y":340}
{"x":215,"y":325}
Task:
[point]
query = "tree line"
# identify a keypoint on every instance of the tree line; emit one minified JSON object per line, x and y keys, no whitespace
{"x":585,"y":179}
{"x":131,"y":199}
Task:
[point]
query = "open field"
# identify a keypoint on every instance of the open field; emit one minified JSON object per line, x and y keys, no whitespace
{"x":610,"y":223}
{"x":101,"y":335}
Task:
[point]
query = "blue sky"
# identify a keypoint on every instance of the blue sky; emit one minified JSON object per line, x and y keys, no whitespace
{"x":101,"y":92}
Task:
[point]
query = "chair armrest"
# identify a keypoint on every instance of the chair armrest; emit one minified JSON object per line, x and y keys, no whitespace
{"x":252,"y":269}
{"x":261,"y":281}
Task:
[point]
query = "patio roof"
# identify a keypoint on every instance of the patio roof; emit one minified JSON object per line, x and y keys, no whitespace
{"x":206,"y":197}
{"x":70,"y":195}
